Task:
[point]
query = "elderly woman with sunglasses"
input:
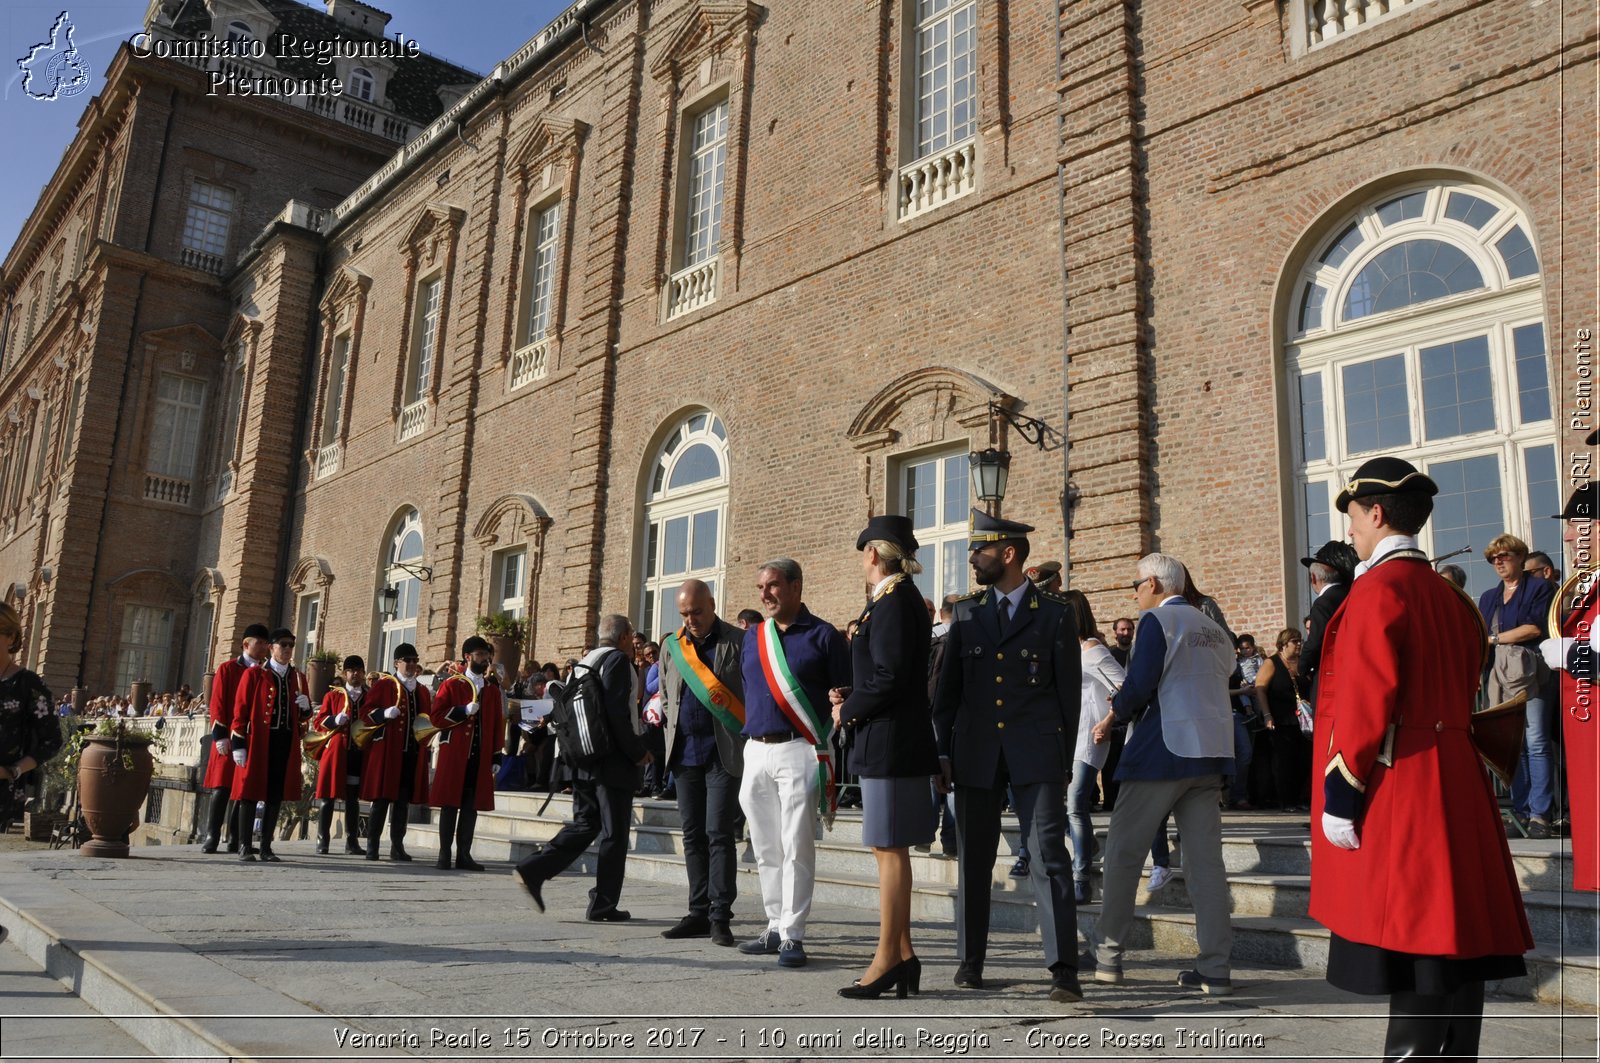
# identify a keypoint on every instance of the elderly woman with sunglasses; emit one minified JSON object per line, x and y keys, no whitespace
{"x":1516,"y":611}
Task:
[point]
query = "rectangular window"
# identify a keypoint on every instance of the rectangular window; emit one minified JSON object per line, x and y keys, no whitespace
{"x":1468,"y":511}
{"x":1544,"y":498}
{"x":1377,"y":413}
{"x":145,"y":648}
{"x":1457,"y":395}
{"x":708,"y":152}
{"x":175,"y":434}
{"x":1533,"y":374}
{"x":541,"y":272}
{"x":46,"y":445}
{"x":72,"y":416}
{"x":310,"y":613}
{"x":333,"y":400}
{"x":935,"y":494}
{"x":510,"y":573}
{"x":1318,"y":526}
{"x":1313,"y":429}
{"x":427,"y":342}
{"x":946,"y":79}
{"x":205,"y":229}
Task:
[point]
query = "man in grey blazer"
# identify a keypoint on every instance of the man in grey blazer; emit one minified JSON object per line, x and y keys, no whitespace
{"x":1006,"y":710}
{"x":702,"y":686}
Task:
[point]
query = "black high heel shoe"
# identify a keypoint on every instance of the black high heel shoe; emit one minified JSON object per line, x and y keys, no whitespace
{"x":894,"y":978}
{"x":913,"y":974}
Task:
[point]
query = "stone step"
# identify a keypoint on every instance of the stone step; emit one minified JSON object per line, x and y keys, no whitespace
{"x":1266,"y":930}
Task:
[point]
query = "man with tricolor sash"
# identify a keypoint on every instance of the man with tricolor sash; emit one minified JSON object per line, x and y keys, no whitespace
{"x":703,"y":689}
{"x":791,"y":661}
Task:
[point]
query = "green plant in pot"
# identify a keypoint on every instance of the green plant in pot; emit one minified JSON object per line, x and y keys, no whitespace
{"x":113,"y":764}
{"x":505,"y":633}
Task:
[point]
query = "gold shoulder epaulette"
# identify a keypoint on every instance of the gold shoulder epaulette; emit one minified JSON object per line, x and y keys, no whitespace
{"x":969,"y":597}
{"x":1054,"y":596}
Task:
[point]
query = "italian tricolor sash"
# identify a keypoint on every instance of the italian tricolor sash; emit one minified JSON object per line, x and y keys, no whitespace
{"x":797,"y":708}
{"x":703,"y":683}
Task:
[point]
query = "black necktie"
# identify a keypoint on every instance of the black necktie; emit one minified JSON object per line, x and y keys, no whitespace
{"x":1005,"y":614}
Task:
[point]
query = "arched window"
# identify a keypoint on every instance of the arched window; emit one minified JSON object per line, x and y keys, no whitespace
{"x":361,"y":83}
{"x":239,"y":33}
{"x":401,"y":588}
{"x":1417,"y":329}
{"x":686,"y":516}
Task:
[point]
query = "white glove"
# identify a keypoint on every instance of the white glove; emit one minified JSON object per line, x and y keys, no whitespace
{"x":222,"y":746}
{"x":238,"y":757}
{"x":472,"y":708}
{"x":304,"y":703}
{"x":341,"y":719}
{"x":391,"y":713}
{"x":1340,"y":831}
{"x":1554,"y":651}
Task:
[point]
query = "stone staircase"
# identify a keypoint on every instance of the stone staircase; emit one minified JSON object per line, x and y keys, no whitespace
{"x":1268,"y":858}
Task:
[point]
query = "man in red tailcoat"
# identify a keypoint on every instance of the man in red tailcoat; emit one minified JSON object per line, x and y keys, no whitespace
{"x":395,"y":773}
{"x":339,"y":764}
{"x":1574,"y":650}
{"x":218,"y":780}
{"x":468,"y":711}
{"x":1409,"y":865}
{"x":267,"y":713}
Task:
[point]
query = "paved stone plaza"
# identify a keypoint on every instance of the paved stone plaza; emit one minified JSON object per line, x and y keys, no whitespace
{"x":330,"y":957}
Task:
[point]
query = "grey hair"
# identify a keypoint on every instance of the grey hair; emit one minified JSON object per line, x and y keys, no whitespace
{"x":613,"y":628}
{"x":1165,"y":568}
{"x":787,"y":567}
{"x":1323,"y":573}
{"x":894,"y":557}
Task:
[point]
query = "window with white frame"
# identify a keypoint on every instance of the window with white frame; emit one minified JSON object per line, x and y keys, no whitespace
{"x":398,"y":622}
{"x":145,"y":650}
{"x":539,"y":286}
{"x":946,"y":73}
{"x":708,"y":161}
{"x":333,"y":396}
{"x":360,"y":84}
{"x":205,"y":228}
{"x":509,"y":582}
{"x":310,"y":617}
{"x":1417,"y":329}
{"x":933,"y":490}
{"x":175,"y":428}
{"x":197,"y":660}
{"x":239,"y":33}
{"x":686,"y":516}
{"x":425,"y":345}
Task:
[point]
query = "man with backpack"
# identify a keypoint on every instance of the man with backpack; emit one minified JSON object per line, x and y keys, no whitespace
{"x":596,"y":728}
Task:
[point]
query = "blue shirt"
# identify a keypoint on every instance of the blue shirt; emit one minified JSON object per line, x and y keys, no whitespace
{"x":818,"y":656}
{"x":695,"y":721}
{"x":1146,"y":757}
{"x":1529,"y":604}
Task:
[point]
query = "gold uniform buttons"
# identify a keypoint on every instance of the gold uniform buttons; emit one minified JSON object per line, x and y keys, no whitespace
{"x":1001,"y":725}
{"x":999,"y":701}
{"x":999,"y":656}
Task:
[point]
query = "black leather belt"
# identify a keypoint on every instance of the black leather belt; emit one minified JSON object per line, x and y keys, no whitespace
{"x":776,"y":737}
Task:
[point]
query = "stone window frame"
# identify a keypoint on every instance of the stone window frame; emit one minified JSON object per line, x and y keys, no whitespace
{"x":512,"y":521}
{"x":312,"y":576}
{"x":551,"y":155}
{"x":710,"y":53}
{"x":191,"y":206}
{"x":177,"y":350}
{"x":208,"y":589}
{"x":240,"y":348}
{"x":342,"y":311}
{"x":428,"y":249}
{"x":673,"y":438}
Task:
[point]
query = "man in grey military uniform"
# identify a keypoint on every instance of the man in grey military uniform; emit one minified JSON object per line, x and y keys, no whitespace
{"x":1006,"y":710}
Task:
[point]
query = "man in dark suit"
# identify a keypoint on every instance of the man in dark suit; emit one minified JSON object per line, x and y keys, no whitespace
{"x":1331,"y":568}
{"x":602,"y":796}
{"x":704,"y":694}
{"x":1007,"y":711}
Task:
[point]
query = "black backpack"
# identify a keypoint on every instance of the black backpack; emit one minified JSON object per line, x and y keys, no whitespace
{"x":578,"y":717}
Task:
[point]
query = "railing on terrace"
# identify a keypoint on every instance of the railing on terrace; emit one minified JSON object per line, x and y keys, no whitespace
{"x":690,"y":289}
{"x":204,"y":261}
{"x":1330,"y":20}
{"x":530,"y":363}
{"x":166,"y":489}
{"x":936,"y":180}
{"x":413,"y":419}
{"x":328,"y":460}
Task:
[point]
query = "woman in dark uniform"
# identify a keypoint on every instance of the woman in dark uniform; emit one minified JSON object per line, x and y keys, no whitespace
{"x":890,"y":725}
{"x":29,"y":731}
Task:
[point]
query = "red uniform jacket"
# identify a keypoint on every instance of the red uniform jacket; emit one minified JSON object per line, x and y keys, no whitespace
{"x":334,"y":761}
{"x":252,"y":722}
{"x":224,"y":687}
{"x":1401,"y":662}
{"x":381,"y":766}
{"x":1581,"y":734}
{"x":457,"y":734}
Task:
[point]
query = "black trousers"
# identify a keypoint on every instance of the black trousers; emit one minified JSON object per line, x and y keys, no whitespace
{"x":655,"y":773}
{"x":708,"y":803}
{"x":597,"y":811}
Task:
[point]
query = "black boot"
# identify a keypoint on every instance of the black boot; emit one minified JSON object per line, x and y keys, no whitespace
{"x":244,"y":814}
{"x":269,"y":827}
{"x":215,"y":810}
{"x":375,"y":826}
{"x":230,"y":816}
{"x":465,"y":827}
{"x":352,"y":824}
{"x":447,"y":833}
{"x":1417,"y":1027}
{"x":397,"y":833}
{"x":324,"y":824}
{"x":1463,"y":1029}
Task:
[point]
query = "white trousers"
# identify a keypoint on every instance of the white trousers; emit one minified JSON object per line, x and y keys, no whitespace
{"x":778,"y":793}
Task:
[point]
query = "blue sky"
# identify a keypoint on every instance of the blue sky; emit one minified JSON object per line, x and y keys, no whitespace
{"x":473,"y":33}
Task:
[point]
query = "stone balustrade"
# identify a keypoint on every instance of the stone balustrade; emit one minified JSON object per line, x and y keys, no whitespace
{"x":690,"y":289}
{"x":937,"y":179}
{"x":413,"y":419}
{"x":530,"y":363}
{"x":1329,"y":20}
{"x":167,"y":489}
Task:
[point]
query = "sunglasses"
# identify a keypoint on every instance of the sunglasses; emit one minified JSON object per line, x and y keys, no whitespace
{"x":1504,"y":555}
{"x":410,"y":660}
{"x":1136,"y":584}
{"x":287,"y":645}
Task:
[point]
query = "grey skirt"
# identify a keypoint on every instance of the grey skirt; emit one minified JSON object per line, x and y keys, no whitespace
{"x":897,"y":813}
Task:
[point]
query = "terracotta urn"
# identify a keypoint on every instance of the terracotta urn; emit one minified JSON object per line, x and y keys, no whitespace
{"x":113,"y":780}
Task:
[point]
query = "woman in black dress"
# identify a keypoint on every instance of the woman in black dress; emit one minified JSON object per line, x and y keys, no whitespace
{"x":29,"y":731}
{"x":890,"y":726}
{"x":1291,"y":776}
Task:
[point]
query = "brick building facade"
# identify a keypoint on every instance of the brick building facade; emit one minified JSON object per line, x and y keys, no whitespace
{"x":684,"y":285}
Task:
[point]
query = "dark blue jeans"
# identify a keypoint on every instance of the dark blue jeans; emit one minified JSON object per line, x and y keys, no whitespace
{"x":708,"y":802}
